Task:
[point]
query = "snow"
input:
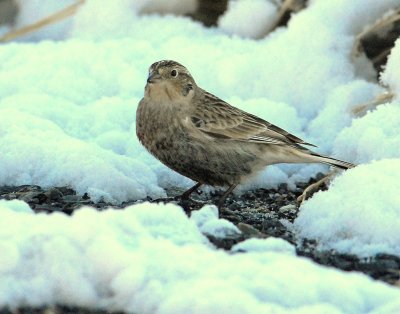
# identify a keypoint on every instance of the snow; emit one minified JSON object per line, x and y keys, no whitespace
{"x":109,"y":15}
{"x":32,"y":11}
{"x":336,"y":114}
{"x":376,"y":136}
{"x":390,"y":76}
{"x":248,"y":18}
{"x":152,"y":259}
{"x":270,"y":244}
{"x":362,"y":220}
{"x":208,"y":223}
{"x":67,"y":117}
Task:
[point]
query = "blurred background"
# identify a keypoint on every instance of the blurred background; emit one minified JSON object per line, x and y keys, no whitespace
{"x":21,"y":19}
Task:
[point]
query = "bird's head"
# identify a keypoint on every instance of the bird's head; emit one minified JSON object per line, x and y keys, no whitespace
{"x":169,"y":79}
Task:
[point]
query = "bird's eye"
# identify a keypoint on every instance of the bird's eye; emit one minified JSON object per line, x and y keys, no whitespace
{"x":174,"y":73}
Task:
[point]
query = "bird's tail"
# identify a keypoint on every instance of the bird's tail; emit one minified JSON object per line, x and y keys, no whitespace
{"x":332,"y":161}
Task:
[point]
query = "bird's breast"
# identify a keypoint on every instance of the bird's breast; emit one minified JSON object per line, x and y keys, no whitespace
{"x":158,"y":127}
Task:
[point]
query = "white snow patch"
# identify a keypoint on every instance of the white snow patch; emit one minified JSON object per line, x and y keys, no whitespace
{"x":337,"y":112}
{"x":32,"y":11}
{"x":372,"y":137}
{"x":16,"y":206}
{"x":270,"y":244}
{"x":153,"y":259}
{"x":112,"y":18}
{"x":359,"y":214}
{"x":248,"y":18}
{"x":390,"y":76}
{"x":40,"y":152}
{"x":208,"y":222}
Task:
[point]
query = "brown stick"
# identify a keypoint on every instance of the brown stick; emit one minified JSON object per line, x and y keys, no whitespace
{"x":51,"y":19}
{"x":378,"y":24}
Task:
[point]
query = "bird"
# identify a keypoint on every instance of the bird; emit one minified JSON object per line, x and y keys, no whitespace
{"x":204,"y":138}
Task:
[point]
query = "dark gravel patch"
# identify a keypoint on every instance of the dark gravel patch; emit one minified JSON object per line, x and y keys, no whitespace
{"x":256,"y":213}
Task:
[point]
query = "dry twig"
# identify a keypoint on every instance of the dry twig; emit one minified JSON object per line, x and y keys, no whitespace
{"x":362,"y":109}
{"x":312,"y":188}
{"x":379,"y":25}
{"x":51,"y":19}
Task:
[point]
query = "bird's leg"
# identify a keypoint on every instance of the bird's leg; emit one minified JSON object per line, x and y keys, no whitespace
{"x":312,"y":188}
{"x":185,"y":195}
{"x":227,"y":192}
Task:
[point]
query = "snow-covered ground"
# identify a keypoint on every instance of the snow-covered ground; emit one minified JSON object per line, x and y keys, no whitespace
{"x":153,"y":259}
{"x":67,"y":117}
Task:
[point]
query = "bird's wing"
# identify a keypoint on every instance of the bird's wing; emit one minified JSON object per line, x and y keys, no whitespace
{"x":218,"y":119}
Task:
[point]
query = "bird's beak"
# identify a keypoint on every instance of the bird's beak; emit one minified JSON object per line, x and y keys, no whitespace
{"x":153,"y":77}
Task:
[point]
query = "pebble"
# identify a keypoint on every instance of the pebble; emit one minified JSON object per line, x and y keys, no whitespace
{"x":47,"y":208}
{"x":53,"y":194}
{"x":72,"y":198}
{"x":250,"y":232}
{"x":30,"y":197}
{"x":290,"y":208}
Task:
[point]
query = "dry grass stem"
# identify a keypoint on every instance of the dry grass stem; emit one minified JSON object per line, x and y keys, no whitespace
{"x":287,"y":7}
{"x":379,"y":24}
{"x":51,"y":19}
{"x":312,"y":188}
{"x":362,"y":109}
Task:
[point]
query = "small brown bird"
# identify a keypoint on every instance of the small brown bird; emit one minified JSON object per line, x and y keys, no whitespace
{"x":207,"y":140}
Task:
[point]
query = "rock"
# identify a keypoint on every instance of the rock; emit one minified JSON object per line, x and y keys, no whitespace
{"x":226,"y":243}
{"x":272,"y":224}
{"x":72,"y":198}
{"x":66,"y":190}
{"x":10,"y":196}
{"x":30,"y":197}
{"x":53,"y":194}
{"x":383,"y":265}
{"x":28,"y":188}
{"x":250,"y":232}
{"x":291,"y":208}
{"x":47,"y":209}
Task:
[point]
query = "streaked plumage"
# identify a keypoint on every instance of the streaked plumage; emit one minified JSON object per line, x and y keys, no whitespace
{"x":204,"y":138}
